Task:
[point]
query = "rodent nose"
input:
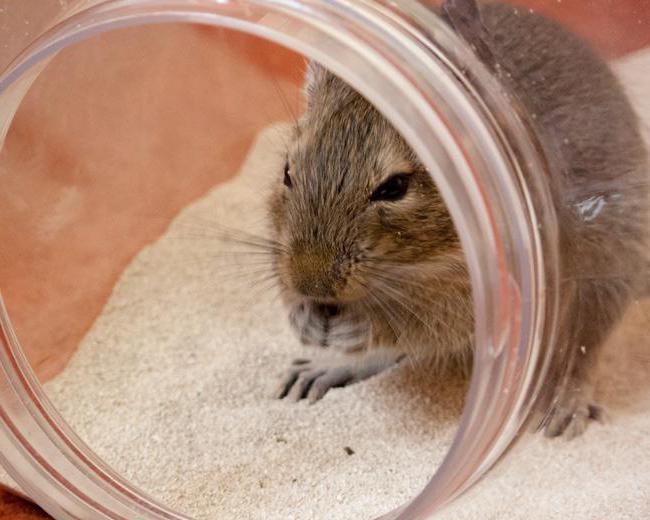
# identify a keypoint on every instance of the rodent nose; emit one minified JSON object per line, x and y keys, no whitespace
{"x":312,"y":274}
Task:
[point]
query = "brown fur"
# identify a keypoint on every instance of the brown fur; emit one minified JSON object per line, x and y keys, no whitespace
{"x":395,"y":269}
{"x":344,"y":249}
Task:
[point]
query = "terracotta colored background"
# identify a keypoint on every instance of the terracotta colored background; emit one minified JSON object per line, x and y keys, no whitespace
{"x":116,"y":136}
{"x":122,"y":132}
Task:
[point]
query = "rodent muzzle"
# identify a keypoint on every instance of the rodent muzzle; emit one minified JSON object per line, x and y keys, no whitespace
{"x":315,"y":274}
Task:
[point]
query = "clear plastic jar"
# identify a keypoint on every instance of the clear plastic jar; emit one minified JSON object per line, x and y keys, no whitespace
{"x":487,"y":160}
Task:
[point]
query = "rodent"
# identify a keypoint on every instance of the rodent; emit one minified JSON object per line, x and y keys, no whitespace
{"x":369,"y":260}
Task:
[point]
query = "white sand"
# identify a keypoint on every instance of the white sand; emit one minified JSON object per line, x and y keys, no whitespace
{"x":171,"y":387}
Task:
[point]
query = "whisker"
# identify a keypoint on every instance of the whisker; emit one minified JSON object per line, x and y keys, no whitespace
{"x":233,"y":236}
{"x":398,"y":297}
{"x":423,"y":296}
{"x":285,"y":102}
{"x":262,"y":287}
{"x":388,"y":314}
{"x":441,"y":271}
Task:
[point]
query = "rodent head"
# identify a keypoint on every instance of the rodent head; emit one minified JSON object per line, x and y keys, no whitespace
{"x":353,"y":203}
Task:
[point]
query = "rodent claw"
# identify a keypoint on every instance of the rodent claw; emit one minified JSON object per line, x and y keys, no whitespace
{"x":311,"y":380}
{"x":571,"y":417}
{"x":288,"y":382}
{"x":303,"y":384}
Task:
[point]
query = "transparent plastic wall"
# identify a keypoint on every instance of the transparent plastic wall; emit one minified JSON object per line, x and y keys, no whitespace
{"x":329,"y":260}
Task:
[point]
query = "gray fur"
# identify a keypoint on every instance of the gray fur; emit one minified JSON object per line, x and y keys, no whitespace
{"x":599,"y":184}
{"x":396,"y":268}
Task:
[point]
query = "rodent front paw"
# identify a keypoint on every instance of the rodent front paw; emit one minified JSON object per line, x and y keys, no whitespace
{"x":329,"y":326}
{"x":311,"y":380}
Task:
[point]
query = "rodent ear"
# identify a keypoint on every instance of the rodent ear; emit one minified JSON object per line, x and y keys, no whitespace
{"x":465,"y":17}
{"x":462,"y":14}
{"x":315,"y":77}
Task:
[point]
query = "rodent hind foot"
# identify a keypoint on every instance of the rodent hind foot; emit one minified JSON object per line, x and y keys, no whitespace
{"x":571,"y":417}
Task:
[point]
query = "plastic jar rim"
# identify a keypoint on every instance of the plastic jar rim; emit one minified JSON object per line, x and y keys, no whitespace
{"x":384,"y":53}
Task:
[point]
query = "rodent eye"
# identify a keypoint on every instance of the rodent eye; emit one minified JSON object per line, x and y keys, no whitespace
{"x":287,"y":177}
{"x":393,"y":189}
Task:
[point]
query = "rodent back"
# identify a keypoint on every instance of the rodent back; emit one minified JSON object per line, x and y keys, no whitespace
{"x":590,"y":132}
